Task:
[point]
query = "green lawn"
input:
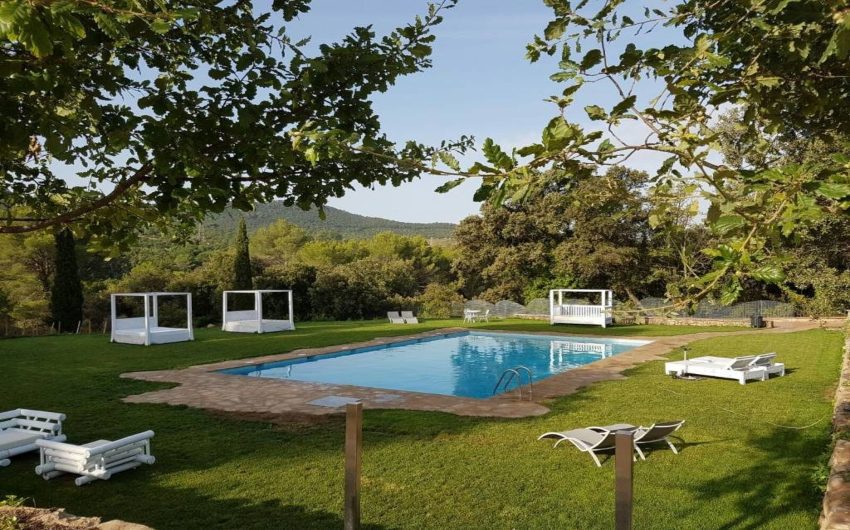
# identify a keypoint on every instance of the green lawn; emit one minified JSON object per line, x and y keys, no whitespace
{"x":738,"y":468}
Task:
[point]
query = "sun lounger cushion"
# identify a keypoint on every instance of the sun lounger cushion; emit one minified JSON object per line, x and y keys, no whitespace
{"x":11,"y":439}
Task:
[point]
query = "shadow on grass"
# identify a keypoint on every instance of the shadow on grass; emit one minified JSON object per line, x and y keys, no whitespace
{"x":770,"y":486}
{"x":180,"y":508}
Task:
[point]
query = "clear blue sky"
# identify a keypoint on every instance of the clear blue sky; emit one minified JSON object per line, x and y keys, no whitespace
{"x":480,"y":84}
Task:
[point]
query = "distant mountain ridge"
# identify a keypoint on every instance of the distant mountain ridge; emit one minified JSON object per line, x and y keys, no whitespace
{"x":341,"y":223}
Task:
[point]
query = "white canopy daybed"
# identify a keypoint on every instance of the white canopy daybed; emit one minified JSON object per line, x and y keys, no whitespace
{"x":252,"y":321}
{"x":598,"y":314}
{"x":146,"y":329}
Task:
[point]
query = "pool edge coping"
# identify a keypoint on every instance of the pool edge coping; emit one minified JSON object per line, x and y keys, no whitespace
{"x":204,"y":386}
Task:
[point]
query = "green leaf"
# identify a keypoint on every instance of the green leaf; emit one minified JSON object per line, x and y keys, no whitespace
{"x":605,"y":146}
{"x":595,"y":112}
{"x":160,"y":26}
{"x":311,"y":155}
{"x":557,"y":134}
{"x":420,"y":50}
{"x":623,"y":106}
{"x":667,"y":165}
{"x":494,"y":154}
{"x":34,"y":36}
{"x":531,"y":150}
{"x":9,"y":11}
{"x":728,"y":223}
{"x":768,"y":273}
{"x":449,"y":160}
{"x":217,"y":74}
{"x":834,"y":190}
{"x":73,"y":25}
{"x":730,"y":292}
{"x":483,"y":193}
{"x":591,"y":59}
{"x":654,"y":221}
{"x":450,"y":185}
{"x":555,"y":29}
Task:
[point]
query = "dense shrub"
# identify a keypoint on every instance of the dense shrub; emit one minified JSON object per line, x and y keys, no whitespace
{"x":437,"y":299}
{"x":298,"y":278}
{"x":362,"y":289}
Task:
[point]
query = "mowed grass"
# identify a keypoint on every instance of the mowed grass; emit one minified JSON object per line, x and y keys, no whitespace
{"x":740,"y":466}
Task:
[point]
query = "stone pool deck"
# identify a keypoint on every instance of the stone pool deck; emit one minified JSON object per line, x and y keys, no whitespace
{"x":202,"y":387}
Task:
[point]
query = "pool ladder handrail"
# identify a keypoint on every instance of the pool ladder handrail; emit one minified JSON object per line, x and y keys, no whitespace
{"x":516,"y":372}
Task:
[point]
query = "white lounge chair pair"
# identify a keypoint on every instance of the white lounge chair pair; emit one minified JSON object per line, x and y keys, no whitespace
{"x":594,"y":440}
{"x":406,"y":317}
{"x":24,"y":430}
{"x":742,"y":369}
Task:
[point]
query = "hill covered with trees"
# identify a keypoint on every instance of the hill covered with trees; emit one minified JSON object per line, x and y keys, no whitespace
{"x":336,"y":224}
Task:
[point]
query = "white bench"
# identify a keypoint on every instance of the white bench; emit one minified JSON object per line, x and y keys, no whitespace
{"x":97,"y":460}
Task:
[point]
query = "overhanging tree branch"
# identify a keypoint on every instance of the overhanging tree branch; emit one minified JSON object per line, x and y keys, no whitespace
{"x":69,"y":217}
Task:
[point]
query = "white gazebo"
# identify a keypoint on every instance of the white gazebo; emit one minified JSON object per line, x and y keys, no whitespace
{"x":252,"y":321}
{"x":594,"y":314}
{"x":146,"y":329}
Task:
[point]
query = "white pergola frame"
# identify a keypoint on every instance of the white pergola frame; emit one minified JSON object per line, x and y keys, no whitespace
{"x":252,"y":321}
{"x":598,"y":315}
{"x":146,"y":330}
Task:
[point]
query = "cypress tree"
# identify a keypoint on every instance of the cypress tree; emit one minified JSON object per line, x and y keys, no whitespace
{"x":242,"y":261}
{"x":66,"y":296}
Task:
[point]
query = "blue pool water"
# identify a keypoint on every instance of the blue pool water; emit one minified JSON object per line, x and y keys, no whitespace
{"x":462,"y":364}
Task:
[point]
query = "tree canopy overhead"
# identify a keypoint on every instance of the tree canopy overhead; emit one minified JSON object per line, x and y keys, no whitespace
{"x":174,"y":109}
{"x":782,"y":63}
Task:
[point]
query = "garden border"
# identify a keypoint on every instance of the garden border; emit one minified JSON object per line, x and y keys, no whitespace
{"x":836,"y":499}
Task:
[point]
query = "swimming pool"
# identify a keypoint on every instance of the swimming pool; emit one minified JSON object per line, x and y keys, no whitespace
{"x":466,"y":364}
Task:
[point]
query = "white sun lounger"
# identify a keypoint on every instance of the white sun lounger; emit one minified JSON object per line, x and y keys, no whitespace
{"x":657,"y":432}
{"x":409,"y":318}
{"x":767,"y":361}
{"x":741,"y":369}
{"x":98,"y":460}
{"x":589,"y":441}
{"x":21,"y":428}
{"x":394,"y":317}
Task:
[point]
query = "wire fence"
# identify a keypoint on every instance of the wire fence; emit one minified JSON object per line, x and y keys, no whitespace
{"x":10,"y":328}
{"x":650,"y":306}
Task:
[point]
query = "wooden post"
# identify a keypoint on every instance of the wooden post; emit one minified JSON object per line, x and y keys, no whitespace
{"x":623,"y":479}
{"x":353,"y":443}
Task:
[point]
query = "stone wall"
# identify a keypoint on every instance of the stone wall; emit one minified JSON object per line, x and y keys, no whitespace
{"x":836,"y":501}
{"x":532,"y":317}
{"x":667,"y":321}
{"x":691,"y":321}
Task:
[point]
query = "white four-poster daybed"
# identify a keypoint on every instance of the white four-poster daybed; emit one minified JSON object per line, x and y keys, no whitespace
{"x":146,"y":329}
{"x":596,"y":314}
{"x":252,"y":321}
